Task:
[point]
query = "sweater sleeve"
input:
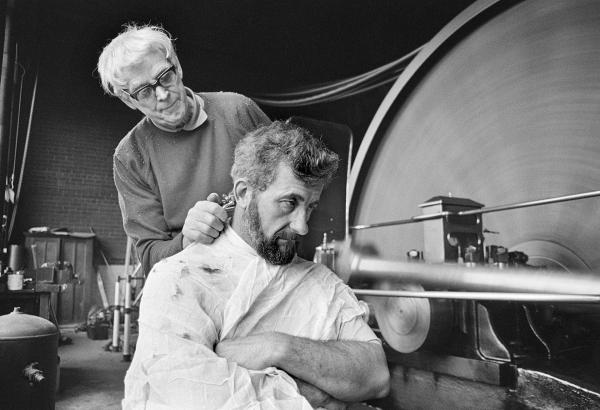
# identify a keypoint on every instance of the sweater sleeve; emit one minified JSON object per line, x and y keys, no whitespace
{"x":245,"y":114}
{"x":257,"y":116}
{"x":143,"y":218}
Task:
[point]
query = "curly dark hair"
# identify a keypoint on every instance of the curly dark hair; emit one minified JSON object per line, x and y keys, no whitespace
{"x":259,"y":153}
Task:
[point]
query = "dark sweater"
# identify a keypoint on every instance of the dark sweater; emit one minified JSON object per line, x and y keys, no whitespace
{"x":160,"y":175}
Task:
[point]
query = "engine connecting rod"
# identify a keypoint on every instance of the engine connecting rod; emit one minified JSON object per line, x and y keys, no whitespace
{"x":484,"y":210}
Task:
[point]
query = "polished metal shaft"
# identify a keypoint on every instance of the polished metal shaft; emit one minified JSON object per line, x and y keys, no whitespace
{"x":546,"y":201}
{"x":500,"y":296}
{"x":412,"y":219}
{"x":479,"y":279}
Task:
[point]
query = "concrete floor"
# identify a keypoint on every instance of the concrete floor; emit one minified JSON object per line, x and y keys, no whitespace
{"x":90,"y":377}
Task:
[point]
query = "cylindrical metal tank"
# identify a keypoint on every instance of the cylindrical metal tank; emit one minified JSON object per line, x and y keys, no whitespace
{"x":28,"y":362}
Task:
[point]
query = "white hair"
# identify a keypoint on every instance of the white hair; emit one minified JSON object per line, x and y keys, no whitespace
{"x":129,"y":48}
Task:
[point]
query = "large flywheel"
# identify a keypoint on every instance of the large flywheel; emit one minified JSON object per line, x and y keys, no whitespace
{"x":502,"y":106}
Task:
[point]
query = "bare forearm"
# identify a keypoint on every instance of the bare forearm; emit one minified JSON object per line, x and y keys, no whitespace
{"x":318,"y":398}
{"x":347,"y":370}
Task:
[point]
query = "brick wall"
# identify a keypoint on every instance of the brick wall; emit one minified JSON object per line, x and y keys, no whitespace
{"x":68,"y":176}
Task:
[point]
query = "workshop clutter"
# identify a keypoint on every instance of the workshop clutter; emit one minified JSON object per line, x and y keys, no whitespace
{"x":12,"y":277}
{"x":98,"y":323}
{"x":14,"y":280}
{"x":36,"y":290}
{"x":63,"y":262}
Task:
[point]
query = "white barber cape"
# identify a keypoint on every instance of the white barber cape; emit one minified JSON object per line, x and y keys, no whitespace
{"x":209,"y":293}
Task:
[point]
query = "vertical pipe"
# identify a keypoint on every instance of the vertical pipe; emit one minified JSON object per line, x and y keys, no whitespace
{"x":5,"y":81}
{"x":116,"y":318}
{"x":127,"y":320}
{"x":127,"y":278}
{"x":127,"y":256}
{"x":24,"y":159}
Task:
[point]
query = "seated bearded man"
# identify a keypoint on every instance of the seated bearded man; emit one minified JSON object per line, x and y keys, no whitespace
{"x":246,"y":323}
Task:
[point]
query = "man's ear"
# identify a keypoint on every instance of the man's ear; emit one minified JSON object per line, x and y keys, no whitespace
{"x":242,"y":192}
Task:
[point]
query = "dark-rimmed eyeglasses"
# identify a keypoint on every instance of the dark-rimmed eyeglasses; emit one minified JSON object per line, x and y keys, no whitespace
{"x":147,"y":93}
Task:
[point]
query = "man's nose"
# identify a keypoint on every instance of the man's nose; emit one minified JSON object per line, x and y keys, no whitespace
{"x":161,"y":93}
{"x":299,"y":223}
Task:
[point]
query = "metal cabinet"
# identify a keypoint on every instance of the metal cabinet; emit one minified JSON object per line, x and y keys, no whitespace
{"x":80,"y":292}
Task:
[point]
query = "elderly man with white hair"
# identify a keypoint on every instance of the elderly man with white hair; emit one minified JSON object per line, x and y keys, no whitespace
{"x":180,"y":152}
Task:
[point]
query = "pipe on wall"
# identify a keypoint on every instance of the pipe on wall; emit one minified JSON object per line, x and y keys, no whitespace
{"x":5,"y":91}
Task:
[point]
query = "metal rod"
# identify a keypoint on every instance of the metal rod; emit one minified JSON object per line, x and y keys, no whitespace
{"x":484,"y":210}
{"x":127,"y":321}
{"x":478,"y":278}
{"x":487,"y":210}
{"x":412,"y":219}
{"x":116,"y":318}
{"x":24,"y":156}
{"x":505,"y":296}
{"x":536,"y":333}
{"x":5,"y":98}
{"x":138,"y":298}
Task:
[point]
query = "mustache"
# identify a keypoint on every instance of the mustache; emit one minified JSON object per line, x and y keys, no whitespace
{"x":289,"y":236}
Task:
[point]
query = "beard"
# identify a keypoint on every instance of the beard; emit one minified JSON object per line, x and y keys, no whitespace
{"x":268,"y":248}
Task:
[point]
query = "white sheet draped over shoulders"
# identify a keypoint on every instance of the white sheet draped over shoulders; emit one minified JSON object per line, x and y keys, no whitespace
{"x":209,"y":293}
